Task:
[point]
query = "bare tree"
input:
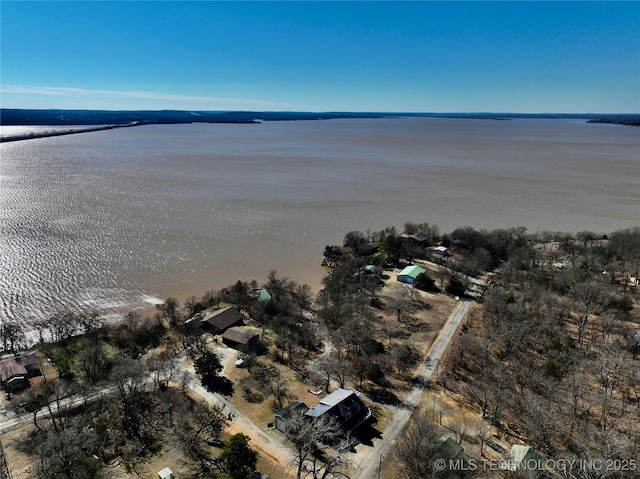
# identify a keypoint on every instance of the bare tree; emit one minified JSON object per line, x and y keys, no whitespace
{"x":32,"y":401}
{"x":271,"y":382}
{"x":163,"y":368}
{"x":320,"y":445}
{"x":483,"y":433}
{"x":586,"y":296}
{"x":169,"y":310}
{"x":93,"y":363}
{"x":91,"y":325}
{"x":337,"y":367}
{"x":211,"y":298}
{"x":12,"y":335}
{"x":399,"y":303}
{"x":415,"y":451}
{"x":192,"y":305}
{"x":71,"y":454}
{"x":196,"y":424}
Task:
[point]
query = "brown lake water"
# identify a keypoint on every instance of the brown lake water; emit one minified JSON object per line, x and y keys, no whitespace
{"x":119,"y":219}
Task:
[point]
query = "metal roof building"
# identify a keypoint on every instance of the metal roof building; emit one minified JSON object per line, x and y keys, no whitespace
{"x":410,"y":273}
{"x":345,"y":406}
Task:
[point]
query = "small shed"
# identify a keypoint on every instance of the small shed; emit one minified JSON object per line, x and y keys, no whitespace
{"x":525,"y":460}
{"x":264,"y":296}
{"x":166,"y":473}
{"x":441,"y":250}
{"x":447,"y":447}
{"x":281,"y":416}
{"x":369,"y":269}
{"x":410,"y":273}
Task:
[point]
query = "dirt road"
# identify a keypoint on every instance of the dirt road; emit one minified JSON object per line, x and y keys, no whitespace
{"x":275,"y":451}
{"x":369,"y":463}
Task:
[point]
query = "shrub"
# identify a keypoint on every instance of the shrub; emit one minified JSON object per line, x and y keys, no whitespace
{"x":425,"y":283}
{"x":455,"y":287}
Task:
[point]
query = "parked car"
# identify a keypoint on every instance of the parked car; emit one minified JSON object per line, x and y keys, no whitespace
{"x":214,"y":441}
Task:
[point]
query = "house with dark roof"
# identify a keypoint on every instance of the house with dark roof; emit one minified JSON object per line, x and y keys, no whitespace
{"x":16,"y":371}
{"x":243,"y":339}
{"x":222,"y":319}
{"x":368,"y":249}
{"x":344,"y":406}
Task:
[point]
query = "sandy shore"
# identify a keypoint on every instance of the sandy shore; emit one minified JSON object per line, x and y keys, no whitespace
{"x":47,"y":134}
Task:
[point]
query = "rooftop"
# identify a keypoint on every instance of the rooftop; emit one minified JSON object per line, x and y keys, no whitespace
{"x":413,"y":271}
{"x":239,"y":335}
{"x":223,"y":318}
{"x":336,"y":397}
{"x":18,"y":366}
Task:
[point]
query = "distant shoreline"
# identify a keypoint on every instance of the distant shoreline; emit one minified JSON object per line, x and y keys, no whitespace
{"x":47,"y":134}
{"x":92,"y":119}
{"x":103,"y":119}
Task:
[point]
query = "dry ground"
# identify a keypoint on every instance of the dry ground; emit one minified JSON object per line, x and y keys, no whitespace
{"x":428,"y":312}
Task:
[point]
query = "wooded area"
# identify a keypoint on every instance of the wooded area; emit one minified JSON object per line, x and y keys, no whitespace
{"x":548,"y":358}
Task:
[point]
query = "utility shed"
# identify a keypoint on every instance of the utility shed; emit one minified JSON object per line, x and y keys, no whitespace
{"x":525,"y":460}
{"x":264,"y":296}
{"x":281,"y":416}
{"x":410,"y":273}
{"x":447,"y":447}
{"x":166,"y":473}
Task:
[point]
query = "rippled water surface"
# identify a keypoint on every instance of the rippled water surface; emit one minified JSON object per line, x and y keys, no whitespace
{"x":119,"y":219}
{"x":22,"y":131}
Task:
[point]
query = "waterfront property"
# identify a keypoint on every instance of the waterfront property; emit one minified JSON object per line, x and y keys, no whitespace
{"x":222,"y":319}
{"x":15,"y":372}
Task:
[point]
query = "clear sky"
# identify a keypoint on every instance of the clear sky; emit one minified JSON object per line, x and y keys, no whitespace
{"x":453,"y":56}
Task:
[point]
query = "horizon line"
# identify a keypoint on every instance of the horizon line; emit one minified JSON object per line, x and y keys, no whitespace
{"x":360,"y":112}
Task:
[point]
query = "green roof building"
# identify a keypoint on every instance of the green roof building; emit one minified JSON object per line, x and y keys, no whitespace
{"x":447,"y":447}
{"x":264,"y":296}
{"x":524,"y":460}
{"x":410,"y":273}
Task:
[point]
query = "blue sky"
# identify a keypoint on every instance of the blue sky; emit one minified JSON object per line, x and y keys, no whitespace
{"x":322,"y":56}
